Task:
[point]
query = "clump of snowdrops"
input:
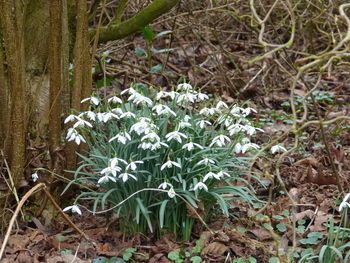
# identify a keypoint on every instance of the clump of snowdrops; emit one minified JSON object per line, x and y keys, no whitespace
{"x":178,"y":141}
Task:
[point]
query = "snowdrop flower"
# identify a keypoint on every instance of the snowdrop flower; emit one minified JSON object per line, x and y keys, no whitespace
{"x":100,"y":116}
{"x":235,"y":111}
{"x":145,"y":145}
{"x":73,"y":135}
{"x":202,"y":96}
{"x":205,"y":161}
{"x":187,"y":118}
{"x":109,"y":115}
{"x":169,"y":164}
{"x":211,"y":175}
{"x":111,"y":170}
{"x":220,"y":140}
{"x":129,"y":90}
{"x":235,"y":128}
{"x":277,"y":148}
{"x":70,"y":118}
{"x":190,"y":146}
{"x":161,"y":94}
{"x":248,"y":146}
{"x":105,"y":179}
{"x":82,"y":123}
{"x":208,"y":111}
{"x":117,"y":111}
{"x":175,"y":135}
{"x":35,"y":177}
{"x":202,"y":123}
{"x":122,"y":137}
{"x":127,"y":114}
{"x":184,"y":124}
{"x":165,"y":185}
{"x":222,"y":174}
{"x":163,"y":110}
{"x":90,"y":114}
{"x":186,"y":97}
{"x":238,"y":147}
{"x":114,"y":161}
{"x":184,"y":87}
{"x":220,"y":105}
{"x":138,"y":98}
{"x":133,"y":165}
{"x":157,"y":145}
{"x":142,"y":126}
{"x":247,"y":111}
{"x":344,"y":203}
{"x":74,"y":208}
{"x":125,"y":176}
{"x":115,"y":99}
{"x":92,"y":99}
{"x":200,"y":186}
{"x":171,"y":192}
{"x":152,"y":137}
{"x":251,"y":130}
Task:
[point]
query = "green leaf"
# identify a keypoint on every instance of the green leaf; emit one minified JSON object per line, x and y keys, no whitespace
{"x":278,"y":217}
{"x":252,"y":260}
{"x":315,"y":235}
{"x":281,"y":227}
{"x":173,"y":255}
{"x":274,"y":260}
{"x":156,"y":69}
{"x":159,"y":51}
{"x":116,"y":260}
{"x":162,"y":213}
{"x":196,"y":259}
{"x":163,"y":33}
{"x":267,"y":226}
{"x":59,"y":238}
{"x":100,"y":260}
{"x":140,"y":52}
{"x":148,"y":33}
{"x":127,"y":256}
{"x":100,"y":83}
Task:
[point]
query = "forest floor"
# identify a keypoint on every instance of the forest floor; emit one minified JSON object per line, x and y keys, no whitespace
{"x":213,"y":55}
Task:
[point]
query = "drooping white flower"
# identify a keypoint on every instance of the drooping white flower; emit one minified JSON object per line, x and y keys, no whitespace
{"x":277,"y":148}
{"x":143,"y":125}
{"x":165,"y":185}
{"x":114,"y":161}
{"x":251,"y":130}
{"x":73,"y":135}
{"x":344,"y":203}
{"x":74,"y":208}
{"x":109,"y":115}
{"x":115,"y":99}
{"x":238,"y":147}
{"x":235,"y":128}
{"x":186,"y":97}
{"x":90,"y":114}
{"x":211,"y":175}
{"x":169,"y":164}
{"x":161,"y":94}
{"x":35,"y":177}
{"x":117,"y":111}
{"x":138,"y":98}
{"x":220,"y":105}
{"x":82,"y":123}
{"x":184,"y":87}
{"x":222,"y":174}
{"x":235,"y":111}
{"x":171,"y":192}
{"x":184,"y":124}
{"x":133,"y":165}
{"x":205,"y":161}
{"x":220,"y":140}
{"x":129,"y":90}
{"x":203,"y":123}
{"x":247,"y":111}
{"x":92,"y":99}
{"x":200,"y":186}
{"x":161,"y":109}
{"x":175,"y":135}
{"x":70,"y":118}
{"x":122,"y":137}
{"x":248,"y":146}
{"x":152,"y":137}
{"x":127,"y":114}
{"x":125,"y":176}
{"x":111,"y":170}
{"x":208,"y":111}
{"x":157,"y":145}
{"x":106,"y":178}
{"x":191,"y":145}
{"x":187,"y":118}
{"x":202,"y":96}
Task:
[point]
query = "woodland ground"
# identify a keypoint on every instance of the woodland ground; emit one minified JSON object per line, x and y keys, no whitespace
{"x":212,"y":48}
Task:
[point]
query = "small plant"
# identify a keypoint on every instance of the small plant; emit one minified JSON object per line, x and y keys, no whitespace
{"x":157,"y":154}
{"x":59,"y":239}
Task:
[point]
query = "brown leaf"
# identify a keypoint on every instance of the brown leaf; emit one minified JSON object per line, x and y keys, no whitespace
{"x":215,"y":248}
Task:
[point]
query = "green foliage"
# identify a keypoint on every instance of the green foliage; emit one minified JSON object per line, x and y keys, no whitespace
{"x":177,"y":142}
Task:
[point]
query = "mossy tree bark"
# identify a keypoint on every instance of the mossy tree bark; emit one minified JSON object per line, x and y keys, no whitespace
{"x":38,"y":40}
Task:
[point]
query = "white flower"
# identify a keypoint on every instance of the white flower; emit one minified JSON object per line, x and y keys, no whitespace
{"x":94,"y":100}
{"x":125,"y":176}
{"x":111,"y":170}
{"x":175,"y":135}
{"x":205,"y":161}
{"x":122,"y":137}
{"x":129,"y":90}
{"x":278,"y":148}
{"x":133,"y":165}
{"x":161,"y":109}
{"x":165,"y":185}
{"x":109,"y":115}
{"x":202,"y":96}
{"x":220,"y":140}
{"x":246,"y":111}
{"x":235,"y":111}
{"x":211,"y":175}
{"x":187,"y":118}
{"x":184,"y":124}
{"x":158,"y":145}
{"x":71,"y":118}
{"x":143,"y":126}
{"x":344,"y":203}
{"x":138,"y":98}
{"x":247,"y":146}
{"x":105,"y":179}
{"x":208,"y":111}
{"x":169,"y":164}
{"x":82,"y":123}
{"x":200,"y":186}
{"x":251,"y":130}
{"x":117,"y":111}
{"x":190,"y":146}
{"x":186,"y":97}
{"x":238,"y":147}
{"x":221,"y":104}
{"x":114,"y":161}
{"x":115,"y":99}
{"x":184,"y":87}
{"x":161,"y":94}
{"x":35,"y":177}
{"x":74,"y":208}
{"x":202,"y":123}
{"x":152,"y":137}
{"x":171,"y":192}
{"x":222,"y":174}
{"x":90,"y":114}
{"x":127,"y":114}
{"x":73,"y":135}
